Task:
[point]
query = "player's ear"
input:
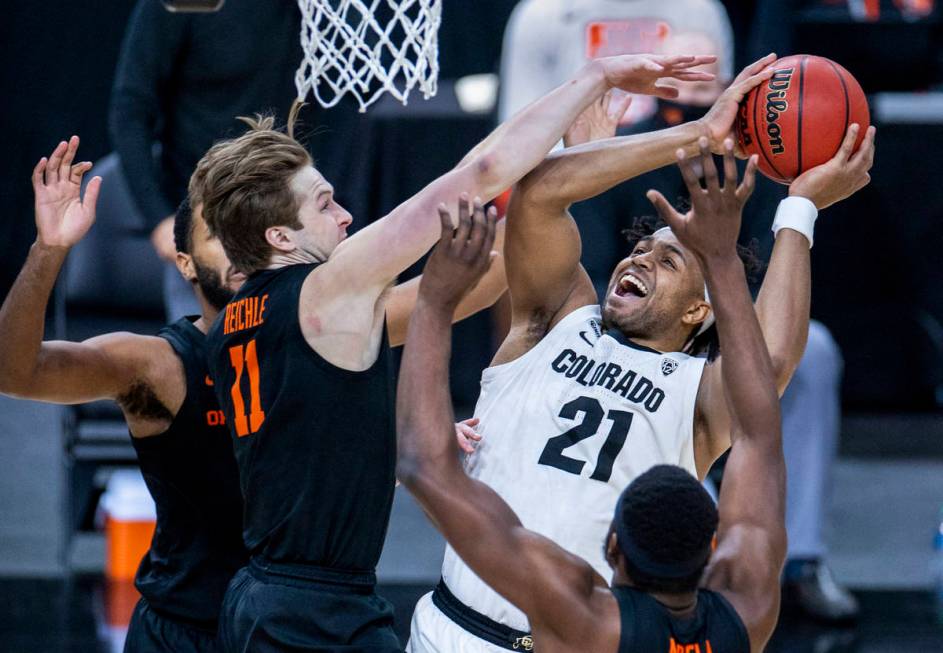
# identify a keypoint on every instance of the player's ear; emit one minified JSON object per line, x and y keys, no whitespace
{"x":185,"y":265}
{"x":280,"y":238}
{"x":613,"y":552}
{"x":697,"y":312}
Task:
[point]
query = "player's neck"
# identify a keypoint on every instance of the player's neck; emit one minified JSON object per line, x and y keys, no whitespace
{"x":664,"y":344}
{"x":208,"y":313}
{"x":680,"y":605}
{"x":295,"y":257}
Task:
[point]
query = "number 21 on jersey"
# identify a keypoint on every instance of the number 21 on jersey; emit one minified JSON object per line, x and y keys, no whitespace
{"x":593,"y":413}
{"x":244,"y":357}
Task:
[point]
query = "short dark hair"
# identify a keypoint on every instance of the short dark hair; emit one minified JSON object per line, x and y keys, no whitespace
{"x":707,"y":342}
{"x":670,"y":519}
{"x":183,"y":227}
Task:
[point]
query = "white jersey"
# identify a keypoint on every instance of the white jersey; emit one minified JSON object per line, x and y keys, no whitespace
{"x":566,"y":427}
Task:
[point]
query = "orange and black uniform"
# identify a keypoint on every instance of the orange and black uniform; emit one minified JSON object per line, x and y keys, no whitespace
{"x":647,"y":625}
{"x":316,"y":450}
{"x":197,"y":547}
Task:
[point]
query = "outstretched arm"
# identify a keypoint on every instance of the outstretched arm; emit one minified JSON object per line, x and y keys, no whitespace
{"x":531,"y":572}
{"x":62,"y":372}
{"x":385,"y":248}
{"x":752,"y":538}
{"x":783,"y":302}
{"x":543,"y":247}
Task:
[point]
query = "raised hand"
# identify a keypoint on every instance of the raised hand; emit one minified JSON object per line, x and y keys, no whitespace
{"x":462,"y":254}
{"x":843,"y":175}
{"x":62,"y":216}
{"x":711,"y":227}
{"x":599,"y":120}
{"x":719,"y":121}
{"x":639,"y":73}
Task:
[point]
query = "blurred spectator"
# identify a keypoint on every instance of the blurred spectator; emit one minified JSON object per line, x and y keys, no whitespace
{"x":547,"y":41}
{"x":181,"y":81}
{"x":811,"y":407}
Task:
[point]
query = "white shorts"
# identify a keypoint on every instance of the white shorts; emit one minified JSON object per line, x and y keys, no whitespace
{"x":433,"y":632}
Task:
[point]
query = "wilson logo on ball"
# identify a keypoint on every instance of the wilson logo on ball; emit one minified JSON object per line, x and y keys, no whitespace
{"x":776,"y":105}
{"x":797,"y":118}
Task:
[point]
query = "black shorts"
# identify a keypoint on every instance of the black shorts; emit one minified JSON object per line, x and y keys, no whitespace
{"x":272,"y":608}
{"x":150,"y":632}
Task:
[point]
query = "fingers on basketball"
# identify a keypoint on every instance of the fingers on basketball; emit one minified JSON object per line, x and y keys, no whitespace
{"x":755,"y":67}
{"x":848,"y":143}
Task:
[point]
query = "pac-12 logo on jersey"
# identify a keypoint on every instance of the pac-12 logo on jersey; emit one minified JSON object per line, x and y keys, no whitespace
{"x":668,"y":365}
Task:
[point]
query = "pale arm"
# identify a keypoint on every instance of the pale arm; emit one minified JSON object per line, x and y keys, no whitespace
{"x":543,"y":250}
{"x":382,"y":250}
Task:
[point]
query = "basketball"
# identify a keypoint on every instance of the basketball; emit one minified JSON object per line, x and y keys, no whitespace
{"x":798,"y":118}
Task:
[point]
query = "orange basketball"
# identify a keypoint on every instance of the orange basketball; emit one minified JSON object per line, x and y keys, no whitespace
{"x":797,"y":119}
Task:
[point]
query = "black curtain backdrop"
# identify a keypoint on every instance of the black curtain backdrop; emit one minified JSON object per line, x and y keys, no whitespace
{"x":58,"y":62}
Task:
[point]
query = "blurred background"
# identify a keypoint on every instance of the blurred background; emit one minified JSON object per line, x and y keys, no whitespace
{"x":863,"y":418}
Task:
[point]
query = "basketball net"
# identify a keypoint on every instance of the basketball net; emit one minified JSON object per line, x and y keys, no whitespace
{"x":347,"y":49}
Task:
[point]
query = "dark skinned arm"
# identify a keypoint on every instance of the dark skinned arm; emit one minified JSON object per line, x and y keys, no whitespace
{"x":751,"y":533}
{"x":545,"y":278}
{"x":782,"y":306}
{"x":104,"y":367}
{"x":554,"y":588}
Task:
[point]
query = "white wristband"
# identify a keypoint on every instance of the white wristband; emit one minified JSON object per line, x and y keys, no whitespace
{"x":796,"y":213}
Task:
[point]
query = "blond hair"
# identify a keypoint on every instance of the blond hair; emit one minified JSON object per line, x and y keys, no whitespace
{"x":245,"y":186}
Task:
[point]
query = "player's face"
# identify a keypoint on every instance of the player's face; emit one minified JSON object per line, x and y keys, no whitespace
{"x":212,"y":271}
{"x":324,"y":221}
{"x":653,"y":288}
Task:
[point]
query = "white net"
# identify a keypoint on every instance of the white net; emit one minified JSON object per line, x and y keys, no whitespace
{"x":368,"y":47}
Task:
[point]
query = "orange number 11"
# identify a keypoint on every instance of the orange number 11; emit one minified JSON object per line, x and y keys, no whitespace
{"x":251,"y":423}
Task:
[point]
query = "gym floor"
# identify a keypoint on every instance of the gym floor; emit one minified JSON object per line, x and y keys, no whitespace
{"x":37,"y":616}
{"x":882,"y":517}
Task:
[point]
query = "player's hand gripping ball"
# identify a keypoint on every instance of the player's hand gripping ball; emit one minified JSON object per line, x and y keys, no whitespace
{"x":797,"y":119}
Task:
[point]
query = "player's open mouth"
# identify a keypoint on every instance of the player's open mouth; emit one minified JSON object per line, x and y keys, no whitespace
{"x":631,"y":285}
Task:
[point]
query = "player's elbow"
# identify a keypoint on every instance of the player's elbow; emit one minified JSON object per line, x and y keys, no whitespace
{"x":784,"y":367}
{"x":14,"y":384}
{"x":411,"y":469}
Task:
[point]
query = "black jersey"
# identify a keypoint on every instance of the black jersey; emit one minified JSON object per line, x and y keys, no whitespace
{"x":647,"y":625}
{"x":315,"y":444}
{"x":191,"y":472}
